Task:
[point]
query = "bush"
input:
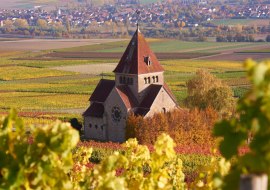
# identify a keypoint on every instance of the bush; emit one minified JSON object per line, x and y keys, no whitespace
{"x":75,"y":124}
{"x":184,"y":126}
{"x":41,"y":160}
{"x":250,"y":128}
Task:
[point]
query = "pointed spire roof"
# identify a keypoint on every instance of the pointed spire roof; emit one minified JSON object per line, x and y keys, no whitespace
{"x":138,"y":57}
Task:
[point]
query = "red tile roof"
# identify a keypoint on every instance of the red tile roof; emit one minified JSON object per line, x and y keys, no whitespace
{"x":134,"y":60}
{"x":127,"y":96}
{"x":95,"y":110}
{"x":102,"y":90}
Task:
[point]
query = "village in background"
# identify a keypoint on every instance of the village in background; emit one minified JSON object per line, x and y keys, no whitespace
{"x":190,"y":20}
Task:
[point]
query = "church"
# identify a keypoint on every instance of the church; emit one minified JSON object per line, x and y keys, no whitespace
{"x":138,"y":88}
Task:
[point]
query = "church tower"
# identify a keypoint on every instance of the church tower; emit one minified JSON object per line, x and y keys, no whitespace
{"x":138,"y":67}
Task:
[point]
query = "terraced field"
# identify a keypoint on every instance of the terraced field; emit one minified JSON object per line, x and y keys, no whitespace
{"x":32,"y":82}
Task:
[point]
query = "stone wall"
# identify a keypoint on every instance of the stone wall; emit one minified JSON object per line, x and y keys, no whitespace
{"x":116,"y":130}
{"x":94,"y":128}
{"x":162,"y":103}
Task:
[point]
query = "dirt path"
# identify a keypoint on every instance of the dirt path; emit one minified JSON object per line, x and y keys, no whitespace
{"x":234,"y":56}
{"x":211,"y":49}
{"x":93,"y":69}
{"x":48,"y":44}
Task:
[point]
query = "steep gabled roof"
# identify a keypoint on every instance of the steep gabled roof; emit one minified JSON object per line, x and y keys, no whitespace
{"x":95,"y":110}
{"x":138,"y":57}
{"x":102,"y":90}
{"x":151,"y":96}
{"x":168,"y":90}
{"x":127,"y":96}
{"x":141,"y":111}
{"x":149,"y":99}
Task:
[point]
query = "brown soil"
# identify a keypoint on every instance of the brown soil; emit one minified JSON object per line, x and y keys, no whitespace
{"x":238,"y":56}
{"x":99,"y":55}
{"x":48,"y":44}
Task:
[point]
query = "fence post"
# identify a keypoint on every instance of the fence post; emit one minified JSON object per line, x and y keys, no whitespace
{"x":254,"y":182}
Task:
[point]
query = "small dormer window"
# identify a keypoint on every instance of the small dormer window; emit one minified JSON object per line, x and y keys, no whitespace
{"x":147,"y":60}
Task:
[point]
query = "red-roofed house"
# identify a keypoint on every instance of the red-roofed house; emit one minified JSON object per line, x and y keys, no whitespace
{"x":138,"y":88}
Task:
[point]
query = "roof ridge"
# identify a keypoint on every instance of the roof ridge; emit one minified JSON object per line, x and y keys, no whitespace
{"x":132,"y":101}
{"x":150,"y":97}
{"x":168,"y":90}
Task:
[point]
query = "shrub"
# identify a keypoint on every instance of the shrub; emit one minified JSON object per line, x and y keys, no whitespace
{"x":184,"y":126}
{"x":252,"y":128}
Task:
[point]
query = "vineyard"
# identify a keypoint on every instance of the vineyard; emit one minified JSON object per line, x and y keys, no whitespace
{"x":29,"y":82}
{"x":51,"y":157}
{"x":42,"y":91}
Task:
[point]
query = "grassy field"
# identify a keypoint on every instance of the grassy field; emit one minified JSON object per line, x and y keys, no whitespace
{"x":20,"y":72}
{"x":259,"y":50}
{"x":260,"y":22}
{"x":44,"y":89}
{"x":148,"y":1}
{"x":165,"y":46}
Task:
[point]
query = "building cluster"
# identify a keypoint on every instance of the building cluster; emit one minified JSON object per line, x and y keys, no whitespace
{"x":166,"y":13}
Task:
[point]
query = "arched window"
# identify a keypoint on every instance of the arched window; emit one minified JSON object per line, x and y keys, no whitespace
{"x":164,"y":110}
{"x":156,"y":78}
{"x":149,"y":80}
{"x":145,"y":80}
{"x":101,"y":127}
{"x":96,"y":126}
{"x":90,"y":125}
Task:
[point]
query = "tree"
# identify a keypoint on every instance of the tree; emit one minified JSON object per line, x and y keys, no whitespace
{"x":8,"y":26}
{"x":21,"y":23}
{"x":268,"y":38}
{"x":229,"y":38}
{"x":251,"y":38}
{"x":42,"y":24}
{"x":220,"y":39}
{"x":67,"y":24}
{"x":206,"y":90}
